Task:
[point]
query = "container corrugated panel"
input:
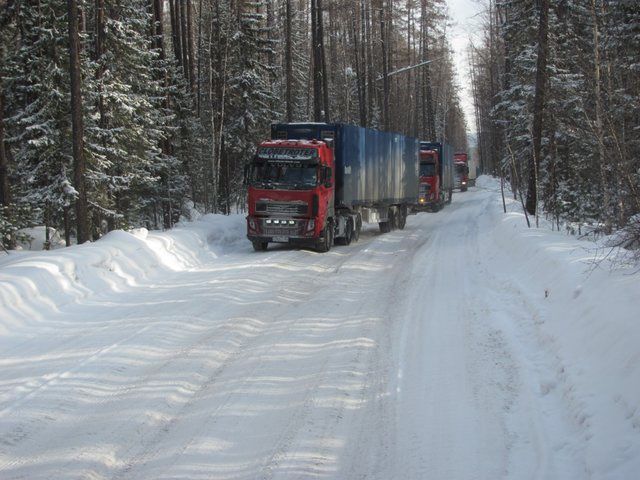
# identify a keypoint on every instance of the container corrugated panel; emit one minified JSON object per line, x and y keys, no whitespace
{"x":372,"y":167}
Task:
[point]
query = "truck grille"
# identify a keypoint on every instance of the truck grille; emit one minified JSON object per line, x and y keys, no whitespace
{"x":285,"y":231}
{"x":285,"y":208}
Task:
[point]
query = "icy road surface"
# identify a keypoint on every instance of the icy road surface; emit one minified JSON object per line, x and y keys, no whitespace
{"x":428,"y":353}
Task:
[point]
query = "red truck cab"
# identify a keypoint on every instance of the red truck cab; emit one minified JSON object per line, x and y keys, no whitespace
{"x":291,"y":194}
{"x":429,"y":192}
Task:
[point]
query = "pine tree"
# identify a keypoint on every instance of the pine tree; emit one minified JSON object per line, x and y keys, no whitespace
{"x":250,"y":112}
{"x":40,"y":128}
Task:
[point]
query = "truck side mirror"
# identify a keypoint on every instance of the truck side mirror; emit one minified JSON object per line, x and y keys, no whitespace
{"x":326,"y":176}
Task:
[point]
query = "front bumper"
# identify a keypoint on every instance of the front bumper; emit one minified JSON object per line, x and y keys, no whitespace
{"x":294,"y":231}
{"x":293,"y":241}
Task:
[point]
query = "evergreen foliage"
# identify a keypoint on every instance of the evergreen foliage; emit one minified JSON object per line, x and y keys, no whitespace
{"x":176,"y":94}
{"x":590,"y":157}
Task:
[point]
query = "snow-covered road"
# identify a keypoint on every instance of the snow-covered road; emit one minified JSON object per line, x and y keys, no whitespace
{"x":432,"y":352}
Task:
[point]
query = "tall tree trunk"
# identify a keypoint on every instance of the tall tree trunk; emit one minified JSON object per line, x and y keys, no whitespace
{"x":538,"y":108}
{"x":192,"y":63}
{"x":386,"y":86}
{"x":184,"y":40}
{"x":288,"y":63}
{"x":599,"y":128}
{"x":323,"y":62}
{"x":5,"y":196}
{"x":5,"y":192}
{"x":317,"y":64}
{"x":82,"y":221}
{"x":359,"y":63}
{"x":199,"y":73}
{"x":99,"y":51}
{"x":158,"y":33}
{"x":174,"y":7}
{"x":371,"y":92}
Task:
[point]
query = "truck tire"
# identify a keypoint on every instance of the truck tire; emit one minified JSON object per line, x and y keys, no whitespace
{"x":402,"y":218}
{"x":393,"y":219}
{"x":348,"y":234}
{"x":358,"y":227}
{"x":384,"y":227}
{"x":259,"y":246}
{"x":325,"y":244}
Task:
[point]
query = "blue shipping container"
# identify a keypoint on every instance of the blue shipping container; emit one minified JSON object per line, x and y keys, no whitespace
{"x":373,"y":168}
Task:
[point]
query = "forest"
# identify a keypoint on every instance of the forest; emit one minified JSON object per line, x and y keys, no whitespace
{"x":557,"y":101}
{"x":121,"y":114}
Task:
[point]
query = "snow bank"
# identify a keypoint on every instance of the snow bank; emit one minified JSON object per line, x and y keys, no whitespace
{"x":590,"y":324}
{"x":32,"y":284}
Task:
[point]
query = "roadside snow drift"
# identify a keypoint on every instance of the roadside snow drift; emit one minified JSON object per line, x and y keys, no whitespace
{"x":465,"y":346}
{"x":35,"y":284}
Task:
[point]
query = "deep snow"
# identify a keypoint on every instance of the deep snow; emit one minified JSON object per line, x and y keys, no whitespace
{"x":464,"y":347}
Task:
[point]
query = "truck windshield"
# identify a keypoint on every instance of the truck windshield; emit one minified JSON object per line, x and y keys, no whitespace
{"x":296,"y":175}
{"x":461,"y":168}
{"x":427,"y":169}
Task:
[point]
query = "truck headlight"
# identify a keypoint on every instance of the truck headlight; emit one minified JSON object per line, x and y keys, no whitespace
{"x":311,"y":225}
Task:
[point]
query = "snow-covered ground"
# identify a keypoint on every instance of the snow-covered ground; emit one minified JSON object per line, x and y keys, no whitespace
{"x":464,"y":347}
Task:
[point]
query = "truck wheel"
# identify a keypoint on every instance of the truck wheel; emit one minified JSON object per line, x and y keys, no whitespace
{"x":402,"y":218}
{"x":393,"y":219}
{"x":324,"y":245}
{"x":384,"y":227}
{"x":259,"y":246}
{"x":358,"y":227}
{"x":348,"y":234}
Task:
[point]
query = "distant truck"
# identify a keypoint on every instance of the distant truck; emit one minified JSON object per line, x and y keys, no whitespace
{"x":316,"y":183}
{"x":436,"y":176}
{"x":461,"y":164}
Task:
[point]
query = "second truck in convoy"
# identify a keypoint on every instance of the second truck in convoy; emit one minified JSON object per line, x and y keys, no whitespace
{"x":316,"y":183}
{"x":461,"y":164}
{"x":436,"y":176}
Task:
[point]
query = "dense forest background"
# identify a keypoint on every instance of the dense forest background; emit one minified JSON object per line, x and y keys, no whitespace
{"x":557,"y":96}
{"x":116,"y":114}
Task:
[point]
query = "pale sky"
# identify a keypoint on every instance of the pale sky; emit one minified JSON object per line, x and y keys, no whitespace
{"x":464,"y":14}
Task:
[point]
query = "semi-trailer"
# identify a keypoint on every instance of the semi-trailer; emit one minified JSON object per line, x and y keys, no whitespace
{"x":436,"y":176}
{"x":315,"y":183}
